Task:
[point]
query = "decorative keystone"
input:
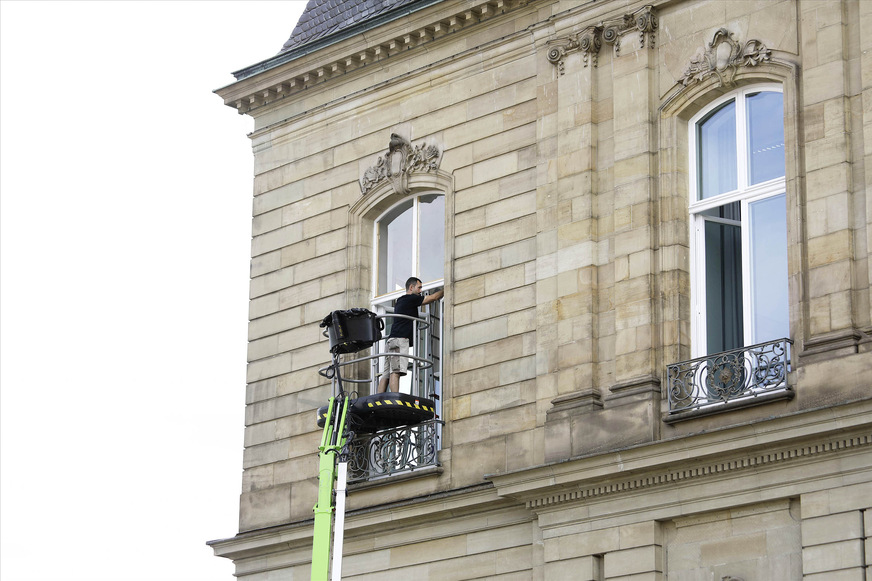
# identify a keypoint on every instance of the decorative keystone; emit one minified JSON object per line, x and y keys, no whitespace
{"x":398,"y":163}
{"x":723,"y":57}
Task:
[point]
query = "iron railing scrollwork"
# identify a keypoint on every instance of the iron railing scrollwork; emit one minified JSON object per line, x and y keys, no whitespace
{"x":722,"y":377}
{"x":395,"y":450}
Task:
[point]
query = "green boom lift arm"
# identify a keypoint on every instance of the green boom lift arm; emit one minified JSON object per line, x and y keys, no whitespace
{"x":333,"y":440}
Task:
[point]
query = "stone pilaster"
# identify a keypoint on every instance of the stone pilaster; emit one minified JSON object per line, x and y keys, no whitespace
{"x":864,"y":26}
{"x":569,"y":229}
{"x":835,"y":209}
{"x":834,"y":533}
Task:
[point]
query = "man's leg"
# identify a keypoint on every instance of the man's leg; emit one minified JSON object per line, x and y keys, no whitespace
{"x":395,"y":382}
{"x":389,"y":364}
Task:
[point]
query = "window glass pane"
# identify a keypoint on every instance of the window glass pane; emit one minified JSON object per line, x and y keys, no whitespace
{"x":395,"y":243}
{"x":727,"y":212}
{"x":723,"y":286}
{"x":768,"y":223}
{"x":716,"y":143}
{"x":431,"y":237}
{"x":766,"y":136}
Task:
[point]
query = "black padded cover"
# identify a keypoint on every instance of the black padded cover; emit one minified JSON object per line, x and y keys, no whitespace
{"x":381,"y":411}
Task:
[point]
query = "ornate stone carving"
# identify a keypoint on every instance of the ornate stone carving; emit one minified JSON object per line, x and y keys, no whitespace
{"x":401,"y":160}
{"x":642,"y":21}
{"x":723,"y":57}
{"x":557,"y":50}
{"x":589,"y":41}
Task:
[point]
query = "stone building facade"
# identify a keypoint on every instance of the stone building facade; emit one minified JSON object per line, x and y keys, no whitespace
{"x":652,"y":222}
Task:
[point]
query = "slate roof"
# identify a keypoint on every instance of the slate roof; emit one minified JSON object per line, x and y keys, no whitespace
{"x":324,"y":22}
{"x":322,"y":18}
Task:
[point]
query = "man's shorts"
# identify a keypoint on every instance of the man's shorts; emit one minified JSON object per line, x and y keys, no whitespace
{"x":397,"y":360}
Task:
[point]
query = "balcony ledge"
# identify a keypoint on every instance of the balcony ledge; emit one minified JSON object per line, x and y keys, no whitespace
{"x":718,"y":408}
{"x":432,"y":470}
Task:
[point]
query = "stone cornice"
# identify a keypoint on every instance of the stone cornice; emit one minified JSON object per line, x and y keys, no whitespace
{"x":265,"y":88}
{"x":359,"y":27}
{"x":703,"y":470}
{"x":800,"y":436}
{"x":298,"y":535}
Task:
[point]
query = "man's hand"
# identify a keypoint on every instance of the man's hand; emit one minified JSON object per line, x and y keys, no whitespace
{"x":433,"y":296}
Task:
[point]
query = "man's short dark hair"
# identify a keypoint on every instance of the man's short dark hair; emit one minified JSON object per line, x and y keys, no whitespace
{"x":412,"y":280}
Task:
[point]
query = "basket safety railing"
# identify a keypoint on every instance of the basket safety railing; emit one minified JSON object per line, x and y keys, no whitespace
{"x":421,"y":364}
{"x":395,"y":450}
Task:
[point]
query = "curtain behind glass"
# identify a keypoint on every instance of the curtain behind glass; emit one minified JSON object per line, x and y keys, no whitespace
{"x":723,"y":281}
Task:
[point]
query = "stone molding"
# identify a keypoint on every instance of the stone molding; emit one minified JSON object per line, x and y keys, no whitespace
{"x":297,"y":81}
{"x":296,"y":538}
{"x":835,"y":344}
{"x":718,"y":467}
{"x":590,"y":40}
{"x":635,"y":386}
{"x":781,"y":442}
{"x":401,"y":160}
{"x":586,"y":400}
{"x":722,"y":57}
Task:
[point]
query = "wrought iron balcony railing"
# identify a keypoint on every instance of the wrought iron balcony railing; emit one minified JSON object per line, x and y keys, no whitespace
{"x":393,"y":451}
{"x":729,"y":376}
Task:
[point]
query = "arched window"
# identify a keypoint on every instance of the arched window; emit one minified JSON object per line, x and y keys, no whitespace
{"x":738,"y":221}
{"x":409,"y":240}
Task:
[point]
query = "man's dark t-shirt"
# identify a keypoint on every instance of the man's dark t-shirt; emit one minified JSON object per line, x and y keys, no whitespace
{"x":406,"y":305}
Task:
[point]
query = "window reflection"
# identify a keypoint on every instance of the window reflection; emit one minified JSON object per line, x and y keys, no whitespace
{"x":431,"y":237}
{"x":395,"y":248}
{"x":766,"y":136}
{"x":768,"y":221}
{"x":716,"y":138}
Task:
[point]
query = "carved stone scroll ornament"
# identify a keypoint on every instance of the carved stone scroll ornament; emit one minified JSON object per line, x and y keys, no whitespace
{"x":557,"y":50}
{"x":722,"y":59}
{"x":642,"y":21}
{"x":589,"y":41}
{"x":398,"y":163}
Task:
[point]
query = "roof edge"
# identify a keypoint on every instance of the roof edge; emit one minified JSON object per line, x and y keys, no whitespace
{"x":343,"y":34}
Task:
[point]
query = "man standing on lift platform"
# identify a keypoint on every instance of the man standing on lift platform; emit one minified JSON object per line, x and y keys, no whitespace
{"x":402,"y":333}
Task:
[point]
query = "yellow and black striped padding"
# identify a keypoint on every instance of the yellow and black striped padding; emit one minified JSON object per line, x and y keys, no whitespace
{"x":385,"y":410}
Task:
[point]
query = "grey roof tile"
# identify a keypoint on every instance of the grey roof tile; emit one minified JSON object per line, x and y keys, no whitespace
{"x":322,"y":18}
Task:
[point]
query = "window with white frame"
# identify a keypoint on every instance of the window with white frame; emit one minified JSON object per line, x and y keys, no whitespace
{"x":738,"y":221}
{"x":409,"y":240}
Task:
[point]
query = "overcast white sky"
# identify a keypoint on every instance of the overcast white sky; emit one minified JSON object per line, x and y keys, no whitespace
{"x":125,"y":217}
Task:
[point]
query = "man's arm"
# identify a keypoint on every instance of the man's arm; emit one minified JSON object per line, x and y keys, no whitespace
{"x":433,"y":297}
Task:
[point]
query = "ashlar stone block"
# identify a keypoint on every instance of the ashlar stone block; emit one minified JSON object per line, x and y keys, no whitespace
{"x":834,"y":557}
{"x":832,"y":528}
{"x":580,"y":569}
